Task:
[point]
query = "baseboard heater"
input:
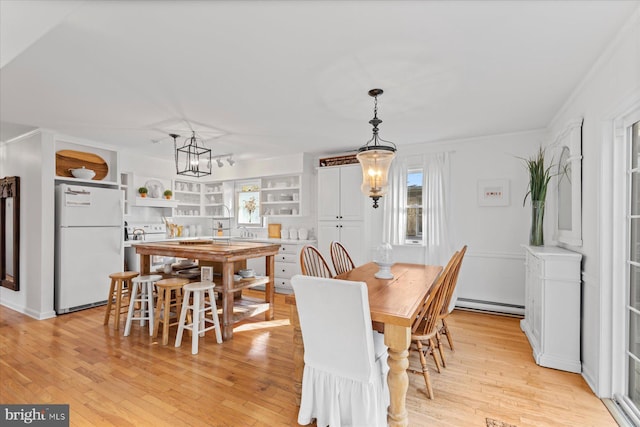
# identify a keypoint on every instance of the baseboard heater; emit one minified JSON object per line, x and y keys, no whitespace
{"x":490,"y":306}
{"x":80,"y":307}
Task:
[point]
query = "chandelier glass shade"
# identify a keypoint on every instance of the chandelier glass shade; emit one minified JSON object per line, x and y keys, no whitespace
{"x":192,"y":158}
{"x":375,"y":158}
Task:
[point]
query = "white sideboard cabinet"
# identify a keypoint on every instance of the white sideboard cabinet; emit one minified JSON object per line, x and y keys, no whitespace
{"x":552,"y":306}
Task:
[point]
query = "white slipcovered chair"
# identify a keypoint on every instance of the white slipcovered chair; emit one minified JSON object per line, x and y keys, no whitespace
{"x":345,"y":374}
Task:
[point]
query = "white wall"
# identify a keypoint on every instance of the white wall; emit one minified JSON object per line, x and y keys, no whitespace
{"x":25,"y":158}
{"x":492,"y":273}
{"x":165,"y":168}
{"x":613,"y":83}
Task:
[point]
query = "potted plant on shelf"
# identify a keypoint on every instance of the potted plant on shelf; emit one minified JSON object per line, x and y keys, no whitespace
{"x":143,"y":191}
{"x":168,"y":194}
{"x":539,"y":177}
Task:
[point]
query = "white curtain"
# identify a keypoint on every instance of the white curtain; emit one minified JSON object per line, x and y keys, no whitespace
{"x":395,"y":214}
{"x":436,"y":212}
{"x":437,"y":234}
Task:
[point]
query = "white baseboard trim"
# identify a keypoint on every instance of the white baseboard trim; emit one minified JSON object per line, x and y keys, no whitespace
{"x":497,"y":307}
{"x":501,"y":255}
{"x":28,"y":312}
{"x":589,"y":378}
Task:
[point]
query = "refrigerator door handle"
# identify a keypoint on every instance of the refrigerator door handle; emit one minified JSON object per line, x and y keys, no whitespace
{"x":74,"y":192}
{"x":121,"y":203}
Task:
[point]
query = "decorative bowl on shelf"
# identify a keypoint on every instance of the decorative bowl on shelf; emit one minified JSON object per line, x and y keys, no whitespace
{"x":82,"y":173}
{"x":247,"y":273}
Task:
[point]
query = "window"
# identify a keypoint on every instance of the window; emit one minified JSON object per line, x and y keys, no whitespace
{"x":633,"y":262}
{"x":248,"y":193}
{"x":415,"y":179}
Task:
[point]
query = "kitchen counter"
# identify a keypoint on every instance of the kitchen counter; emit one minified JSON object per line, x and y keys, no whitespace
{"x":130,"y":243}
{"x":226,"y":255}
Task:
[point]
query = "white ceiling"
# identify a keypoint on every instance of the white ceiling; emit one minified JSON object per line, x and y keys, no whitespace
{"x":279,"y":77}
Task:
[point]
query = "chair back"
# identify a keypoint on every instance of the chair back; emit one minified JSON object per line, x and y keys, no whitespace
{"x":427,"y":319}
{"x":341,"y":259}
{"x":454,"y":280}
{"x":312,"y":263}
{"x":336,"y":326}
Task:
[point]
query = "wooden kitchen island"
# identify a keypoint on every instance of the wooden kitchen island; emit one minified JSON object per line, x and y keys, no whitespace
{"x":226,"y":254}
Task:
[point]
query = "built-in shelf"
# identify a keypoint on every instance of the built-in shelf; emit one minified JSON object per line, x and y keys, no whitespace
{"x":280,"y":196}
{"x":203,"y":199}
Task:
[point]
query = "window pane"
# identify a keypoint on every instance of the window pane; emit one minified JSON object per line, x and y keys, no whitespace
{"x":635,"y":240}
{"x":635,"y":145}
{"x":414,"y":224}
{"x":414,"y":188}
{"x":634,"y":380}
{"x":635,"y":193}
{"x":414,"y":206}
{"x":634,"y":333}
{"x":634,"y":282}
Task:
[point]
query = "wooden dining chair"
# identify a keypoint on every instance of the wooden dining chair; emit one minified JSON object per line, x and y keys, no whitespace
{"x":341,"y":259}
{"x":312,"y":263}
{"x":424,"y":330}
{"x":446,"y":307}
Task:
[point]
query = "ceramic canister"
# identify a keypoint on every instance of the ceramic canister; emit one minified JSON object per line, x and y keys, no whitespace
{"x":303,"y":234}
{"x":293,"y":234}
{"x":284,"y":233}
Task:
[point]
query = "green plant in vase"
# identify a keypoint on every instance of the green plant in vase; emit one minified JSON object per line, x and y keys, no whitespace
{"x":539,"y":177}
{"x":143,"y":191}
{"x":168,"y":194}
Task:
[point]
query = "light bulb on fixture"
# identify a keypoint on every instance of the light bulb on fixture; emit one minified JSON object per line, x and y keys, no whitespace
{"x":219,"y":161}
{"x":231,"y":161}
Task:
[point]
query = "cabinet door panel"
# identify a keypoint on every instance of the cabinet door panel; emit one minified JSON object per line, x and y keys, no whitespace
{"x":328,"y":231}
{"x":352,"y":237}
{"x":286,"y":271}
{"x":289,"y":249}
{"x":351,"y":198}
{"x":287,"y":257}
{"x":328,"y":193}
{"x":536,"y":298}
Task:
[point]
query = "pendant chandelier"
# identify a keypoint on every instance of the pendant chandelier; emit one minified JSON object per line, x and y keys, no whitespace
{"x":375,"y":157}
{"x":192,"y":158}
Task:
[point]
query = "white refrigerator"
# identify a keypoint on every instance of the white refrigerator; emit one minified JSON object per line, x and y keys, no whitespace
{"x":89,"y":245}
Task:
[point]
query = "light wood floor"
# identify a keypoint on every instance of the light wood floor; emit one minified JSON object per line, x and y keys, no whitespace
{"x":109,"y":379}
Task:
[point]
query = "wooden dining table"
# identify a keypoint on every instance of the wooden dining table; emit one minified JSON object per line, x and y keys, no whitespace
{"x":394,"y":303}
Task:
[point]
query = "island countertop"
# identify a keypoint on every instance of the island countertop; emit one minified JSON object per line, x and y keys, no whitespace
{"x":221,"y":252}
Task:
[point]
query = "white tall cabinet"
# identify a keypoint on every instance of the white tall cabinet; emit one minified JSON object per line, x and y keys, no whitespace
{"x":341,"y":207}
{"x":552,"y":306}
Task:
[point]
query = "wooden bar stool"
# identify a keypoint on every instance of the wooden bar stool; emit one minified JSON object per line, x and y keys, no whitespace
{"x":169,"y":297}
{"x":141,"y":293}
{"x":120,"y":285}
{"x":199,"y":307}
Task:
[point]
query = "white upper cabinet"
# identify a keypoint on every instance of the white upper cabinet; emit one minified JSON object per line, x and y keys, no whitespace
{"x":339,"y":196}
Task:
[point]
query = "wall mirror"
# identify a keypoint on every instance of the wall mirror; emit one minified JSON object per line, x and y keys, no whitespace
{"x":569,"y":184}
{"x":10,"y":240}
